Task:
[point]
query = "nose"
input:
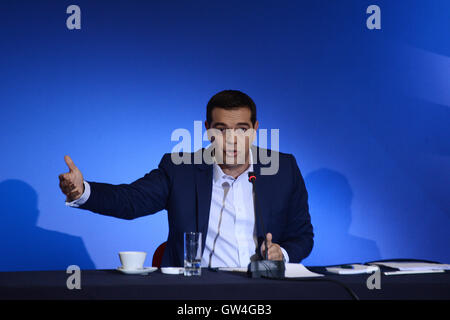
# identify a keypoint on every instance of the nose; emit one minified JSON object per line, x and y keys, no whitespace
{"x":230,"y":137}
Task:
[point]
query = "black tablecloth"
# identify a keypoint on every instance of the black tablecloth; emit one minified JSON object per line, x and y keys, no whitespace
{"x":111,"y":284}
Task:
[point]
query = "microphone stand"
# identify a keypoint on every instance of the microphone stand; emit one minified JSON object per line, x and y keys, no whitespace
{"x":263,"y":268}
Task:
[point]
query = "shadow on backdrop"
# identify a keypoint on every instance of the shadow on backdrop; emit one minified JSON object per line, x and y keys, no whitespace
{"x":330,"y":198}
{"x":27,"y":246}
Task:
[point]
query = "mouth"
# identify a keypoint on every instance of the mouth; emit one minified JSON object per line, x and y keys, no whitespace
{"x":232,"y":153}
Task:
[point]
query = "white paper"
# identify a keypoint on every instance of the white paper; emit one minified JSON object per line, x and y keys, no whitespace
{"x":297,"y":270}
{"x":357,"y":269}
{"x":231,"y":269}
{"x":392,"y":273}
{"x":417,"y":266}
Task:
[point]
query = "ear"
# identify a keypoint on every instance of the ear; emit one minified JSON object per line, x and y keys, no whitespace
{"x":255,"y":128}
{"x":207,"y":127}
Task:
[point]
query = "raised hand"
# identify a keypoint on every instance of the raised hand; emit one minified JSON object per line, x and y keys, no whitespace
{"x":71,"y":183}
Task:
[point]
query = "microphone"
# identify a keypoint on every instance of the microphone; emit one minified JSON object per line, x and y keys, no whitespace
{"x":252,"y":179}
{"x":263,"y":268}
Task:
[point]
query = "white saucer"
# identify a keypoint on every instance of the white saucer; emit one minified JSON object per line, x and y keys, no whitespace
{"x":144,"y":271}
{"x":172,"y":270}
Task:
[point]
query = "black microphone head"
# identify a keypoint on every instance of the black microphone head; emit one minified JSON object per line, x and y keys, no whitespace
{"x":251,"y":176}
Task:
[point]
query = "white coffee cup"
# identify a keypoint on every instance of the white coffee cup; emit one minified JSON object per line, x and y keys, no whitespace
{"x":132,"y":260}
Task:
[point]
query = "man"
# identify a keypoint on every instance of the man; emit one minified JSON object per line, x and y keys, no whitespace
{"x":214,"y":197}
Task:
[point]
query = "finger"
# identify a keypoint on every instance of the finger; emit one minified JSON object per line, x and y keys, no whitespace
{"x":73,"y":195}
{"x":70,"y":163}
{"x":63,"y":178}
{"x":67,"y":192}
{"x":68,"y":189}
{"x":66,"y":183}
{"x":66,"y":177}
{"x":72,"y":191}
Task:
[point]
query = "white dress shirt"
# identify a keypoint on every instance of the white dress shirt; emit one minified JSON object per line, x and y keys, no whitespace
{"x":231,"y":237}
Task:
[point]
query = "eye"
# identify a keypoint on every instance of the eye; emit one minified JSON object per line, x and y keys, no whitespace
{"x":241,"y":130}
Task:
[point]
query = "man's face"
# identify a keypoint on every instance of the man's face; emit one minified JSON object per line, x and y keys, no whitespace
{"x":233,"y":133}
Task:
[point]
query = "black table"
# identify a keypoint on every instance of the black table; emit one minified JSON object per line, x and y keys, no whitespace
{"x":111,"y":284}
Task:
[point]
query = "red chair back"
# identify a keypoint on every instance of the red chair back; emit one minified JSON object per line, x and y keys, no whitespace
{"x":158,"y":255}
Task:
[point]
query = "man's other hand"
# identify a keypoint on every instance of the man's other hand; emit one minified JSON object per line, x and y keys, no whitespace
{"x":275,"y":252}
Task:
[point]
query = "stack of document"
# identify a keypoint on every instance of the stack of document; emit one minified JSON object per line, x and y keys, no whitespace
{"x":352,"y":269}
{"x":293,"y":270}
{"x":413,"y":267}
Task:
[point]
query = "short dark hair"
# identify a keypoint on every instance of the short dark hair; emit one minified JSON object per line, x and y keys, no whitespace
{"x":230,"y":99}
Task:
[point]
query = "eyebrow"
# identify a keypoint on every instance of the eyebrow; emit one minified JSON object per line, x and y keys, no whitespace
{"x":238,"y":124}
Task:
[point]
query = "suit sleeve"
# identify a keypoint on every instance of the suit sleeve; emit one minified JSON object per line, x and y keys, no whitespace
{"x":299,"y":231}
{"x":144,"y":196}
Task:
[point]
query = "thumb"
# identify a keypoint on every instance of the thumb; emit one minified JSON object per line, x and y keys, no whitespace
{"x":269,"y":239}
{"x":264,"y":250}
{"x":70,"y":163}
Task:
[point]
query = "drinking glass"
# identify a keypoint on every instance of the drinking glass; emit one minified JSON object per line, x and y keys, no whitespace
{"x":192,"y":253}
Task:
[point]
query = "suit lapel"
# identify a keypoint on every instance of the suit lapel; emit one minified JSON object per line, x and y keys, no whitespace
{"x":203,"y":182}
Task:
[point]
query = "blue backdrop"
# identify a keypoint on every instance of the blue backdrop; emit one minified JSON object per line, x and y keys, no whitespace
{"x":365,"y":112}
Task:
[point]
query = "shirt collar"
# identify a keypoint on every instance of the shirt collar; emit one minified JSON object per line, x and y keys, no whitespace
{"x":218,"y":174}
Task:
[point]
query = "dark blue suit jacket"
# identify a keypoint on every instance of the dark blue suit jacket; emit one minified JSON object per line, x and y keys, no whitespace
{"x":185,"y":191}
